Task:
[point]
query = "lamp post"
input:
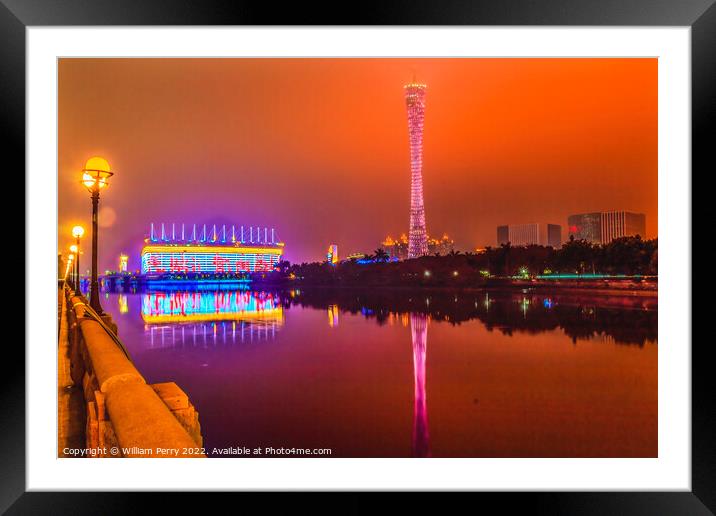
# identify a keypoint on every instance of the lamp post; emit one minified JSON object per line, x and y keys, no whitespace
{"x":78,"y":232}
{"x":69,"y":269}
{"x":95,"y":176}
{"x":73,"y":256}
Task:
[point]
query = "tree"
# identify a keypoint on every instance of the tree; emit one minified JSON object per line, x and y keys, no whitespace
{"x":654,"y":261}
{"x":283,"y":266}
{"x":380,"y":255}
{"x":503,"y":258}
{"x":577,"y":256}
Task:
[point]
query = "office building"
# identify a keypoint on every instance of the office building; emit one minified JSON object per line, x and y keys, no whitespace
{"x":530,"y":234}
{"x":603,"y":227}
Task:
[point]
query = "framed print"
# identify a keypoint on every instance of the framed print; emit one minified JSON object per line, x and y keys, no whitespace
{"x":415,"y":250}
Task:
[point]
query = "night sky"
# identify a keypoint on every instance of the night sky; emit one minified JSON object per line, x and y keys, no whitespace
{"x":318,"y":148}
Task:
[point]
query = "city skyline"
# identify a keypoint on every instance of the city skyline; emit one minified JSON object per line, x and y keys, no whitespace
{"x":213,"y":140}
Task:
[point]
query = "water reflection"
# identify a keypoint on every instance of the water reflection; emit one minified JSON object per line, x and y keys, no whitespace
{"x":123,"y":304}
{"x":204,"y":319}
{"x":624,"y":319}
{"x":181,"y":307}
{"x":333,"y":316}
{"x":551,"y":371}
{"x":209,"y":334}
{"x":419,"y":335}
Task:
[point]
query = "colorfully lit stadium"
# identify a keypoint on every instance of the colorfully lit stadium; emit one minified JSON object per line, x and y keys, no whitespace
{"x":224,"y":250}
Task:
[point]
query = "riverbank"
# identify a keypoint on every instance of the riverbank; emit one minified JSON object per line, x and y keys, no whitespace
{"x":631,"y":287}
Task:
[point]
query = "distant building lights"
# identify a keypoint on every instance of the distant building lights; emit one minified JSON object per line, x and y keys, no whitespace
{"x":332,"y":255}
{"x":123,"y":262}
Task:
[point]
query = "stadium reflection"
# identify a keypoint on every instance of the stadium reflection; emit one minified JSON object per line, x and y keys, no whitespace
{"x":202,"y":318}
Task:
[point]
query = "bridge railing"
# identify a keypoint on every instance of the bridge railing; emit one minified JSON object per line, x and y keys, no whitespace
{"x":125,"y":416}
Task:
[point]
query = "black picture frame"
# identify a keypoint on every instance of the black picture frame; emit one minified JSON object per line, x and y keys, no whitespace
{"x":699,"y":15}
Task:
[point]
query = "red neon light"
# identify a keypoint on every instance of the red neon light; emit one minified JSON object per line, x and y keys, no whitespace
{"x":154,"y":264}
{"x":178,"y":265}
{"x":220,"y":263}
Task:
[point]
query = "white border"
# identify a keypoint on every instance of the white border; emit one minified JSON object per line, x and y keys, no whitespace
{"x":671,"y":471}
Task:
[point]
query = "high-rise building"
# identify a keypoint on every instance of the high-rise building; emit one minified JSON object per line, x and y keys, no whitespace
{"x":554,"y":235}
{"x":617,"y":224}
{"x":398,"y":248}
{"x":123,"y":262}
{"x":415,"y":102}
{"x":603,"y":227}
{"x":530,"y":234}
{"x":503,"y":235}
{"x":332,"y":255}
{"x":586,"y":226}
{"x":441,"y":246}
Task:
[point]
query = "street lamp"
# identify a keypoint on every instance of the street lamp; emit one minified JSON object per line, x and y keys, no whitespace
{"x":73,"y":277}
{"x":69,"y":268}
{"x":78,"y":232}
{"x":95,"y":176}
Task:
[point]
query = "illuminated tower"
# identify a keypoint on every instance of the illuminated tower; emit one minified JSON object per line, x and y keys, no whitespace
{"x":419,"y":334}
{"x":415,"y":102}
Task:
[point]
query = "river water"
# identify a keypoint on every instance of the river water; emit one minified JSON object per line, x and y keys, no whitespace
{"x":397,"y":373}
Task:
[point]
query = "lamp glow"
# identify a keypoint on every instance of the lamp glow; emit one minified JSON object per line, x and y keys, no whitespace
{"x":78,"y":231}
{"x":96,"y":173}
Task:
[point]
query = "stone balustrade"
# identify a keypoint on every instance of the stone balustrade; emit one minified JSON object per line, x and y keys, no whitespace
{"x":126,"y":417}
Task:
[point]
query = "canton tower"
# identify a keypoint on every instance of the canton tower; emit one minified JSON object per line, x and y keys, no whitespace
{"x":415,"y":102}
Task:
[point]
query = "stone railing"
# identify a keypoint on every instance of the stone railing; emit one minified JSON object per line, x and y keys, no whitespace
{"x":125,"y":416}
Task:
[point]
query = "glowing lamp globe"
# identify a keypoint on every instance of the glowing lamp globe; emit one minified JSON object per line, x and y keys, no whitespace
{"x":96,"y":173}
{"x":73,"y":248}
{"x":78,"y":231}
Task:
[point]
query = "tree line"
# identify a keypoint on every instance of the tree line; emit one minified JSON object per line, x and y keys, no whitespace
{"x":622,"y":256}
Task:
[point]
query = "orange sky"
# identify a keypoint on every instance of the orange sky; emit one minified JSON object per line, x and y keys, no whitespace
{"x":318,"y":148}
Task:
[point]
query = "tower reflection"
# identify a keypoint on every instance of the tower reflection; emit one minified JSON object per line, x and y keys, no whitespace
{"x":421,"y":435}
